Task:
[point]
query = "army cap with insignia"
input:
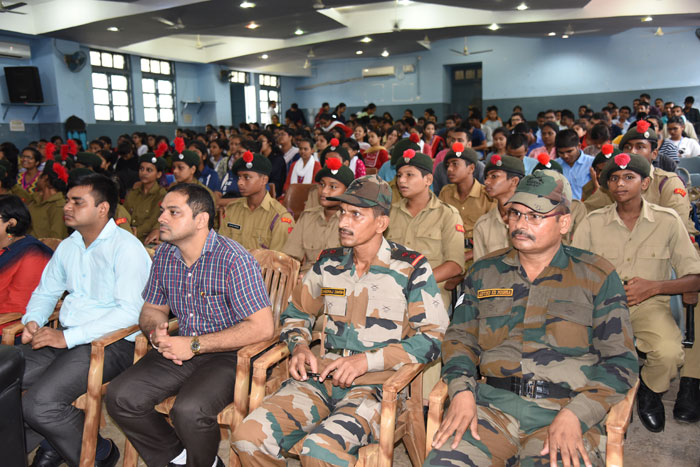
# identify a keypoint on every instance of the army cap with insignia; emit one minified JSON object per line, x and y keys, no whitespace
{"x":407,"y":143}
{"x":151,"y":158}
{"x":545,"y":163}
{"x":367,"y":192}
{"x":335,"y":169}
{"x":415,"y":159}
{"x":606,"y":152}
{"x":508,"y":164}
{"x":541,"y":192}
{"x":252,"y":163}
{"x":624,"y":161}
{"x":458,"y":151}
{"x":88,"y":159}
{"x":641,"y":130}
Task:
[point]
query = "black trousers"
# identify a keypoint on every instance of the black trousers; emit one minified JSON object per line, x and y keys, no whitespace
{"x":53,"y":379}
{"x":203,"y":385}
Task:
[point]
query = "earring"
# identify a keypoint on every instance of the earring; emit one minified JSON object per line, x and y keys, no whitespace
{"x":9,"y":236}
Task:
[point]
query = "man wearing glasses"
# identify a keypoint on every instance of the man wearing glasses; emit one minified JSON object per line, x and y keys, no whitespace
{"x":547,"y":325}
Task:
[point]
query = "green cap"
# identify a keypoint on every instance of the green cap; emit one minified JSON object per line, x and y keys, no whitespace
{"x":340,"y":150}
{"x":509,"y":164}
{"x":398,"y":149}
{"x":545,"y":163}
{"x":190,"y":158}
{"x":642,"y":130}
{"x":458,"y":151}
{"x":88,"y":159}
{"x":337,"y":170}
{"x":606,"y":152}
{"x":79,"y":172}
{"x":415,"y":159}
{"x":367,"y":192}
{"x":542,"y":191}
{"x":624,"y":161}
{"x":151,"y":158}
{"x":252,"y":163}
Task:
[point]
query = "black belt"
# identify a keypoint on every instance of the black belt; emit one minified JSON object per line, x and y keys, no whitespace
{"x":530,"y":387}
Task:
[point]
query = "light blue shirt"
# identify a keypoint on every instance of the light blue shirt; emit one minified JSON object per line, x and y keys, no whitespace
{"x":530,"y":163}
{"x":104,"y":284}
{"x":579,"y":174}
{"x":387,"y":172}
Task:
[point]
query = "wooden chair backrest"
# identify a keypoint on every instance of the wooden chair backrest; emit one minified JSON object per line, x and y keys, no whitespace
{"x":295,"y":198}
{"x":51,"y":242}
{"x":280,"y":273}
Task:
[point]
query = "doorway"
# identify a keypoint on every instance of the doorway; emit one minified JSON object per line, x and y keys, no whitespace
{"x":237,"y":103}
{"x":466,"y":88}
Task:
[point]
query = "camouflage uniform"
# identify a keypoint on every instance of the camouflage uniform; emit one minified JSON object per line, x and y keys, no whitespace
{"x":393,"y":313}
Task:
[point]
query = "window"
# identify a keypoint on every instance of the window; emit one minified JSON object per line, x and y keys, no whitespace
{"x":240,"y":77}
{"x":110,"y":86}
{"x":158,"y":87}
{"x":269,"y":91}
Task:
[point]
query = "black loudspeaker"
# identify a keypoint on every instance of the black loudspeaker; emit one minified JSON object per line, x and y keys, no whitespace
{"x":23,"y":84}
{"x":697,"y":32}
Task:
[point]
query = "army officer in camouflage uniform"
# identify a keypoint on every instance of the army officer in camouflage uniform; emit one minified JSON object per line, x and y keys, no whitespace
{"x":383,"y":310}
{"x":548,"y":327}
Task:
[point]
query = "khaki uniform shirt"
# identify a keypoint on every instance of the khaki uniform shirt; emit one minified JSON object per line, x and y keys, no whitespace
{"x":490,"y":234}
{"x":47,"y":216}
{"x":657,"y":243}
{"x":475,"y":205}
{"x":144,"y":209}
{"x":578,"y":214}
{"x":21,"y":193}
{"x":267,"y":227}
{"x":393,"y":313}
{"x":122,"y":218}
{"x":311,"y":235}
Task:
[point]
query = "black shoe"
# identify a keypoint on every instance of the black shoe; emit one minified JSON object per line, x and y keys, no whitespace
{"x":112,"y":457}
{"x":46,"y":458}
{"x":650,"y":408}
{"x":687,"y":408}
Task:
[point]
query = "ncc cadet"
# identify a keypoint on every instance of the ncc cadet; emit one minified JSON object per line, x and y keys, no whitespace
{"x":501,"y":177}
{"x":644,"y":241}
{"x":595,"y":197}
{"x":382,"y":309}
{"x":548,"y":327}
{"x":143,"y":201}
{"x":87,"y":160}
{"x":388,"y":171}
{"x":256,"y":220}
{"x":48,"y":201}
{"x":465,"y":193}
{"x":317,"y":228}
{"x":186,"y":166}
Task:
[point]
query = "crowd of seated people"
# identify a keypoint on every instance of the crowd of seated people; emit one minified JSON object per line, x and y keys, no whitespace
{"x":451,"y":187}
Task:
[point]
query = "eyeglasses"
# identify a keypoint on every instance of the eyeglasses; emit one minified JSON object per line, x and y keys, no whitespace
{"x":531,"y":218}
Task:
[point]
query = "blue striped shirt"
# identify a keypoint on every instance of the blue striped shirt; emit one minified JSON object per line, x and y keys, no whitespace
{"x":219,"y":290}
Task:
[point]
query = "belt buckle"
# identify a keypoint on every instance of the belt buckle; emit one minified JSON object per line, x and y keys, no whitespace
{"x":530,"y":389}
{"x":516,"y":385}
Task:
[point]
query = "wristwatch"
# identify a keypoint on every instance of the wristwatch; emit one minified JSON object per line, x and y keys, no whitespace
{"x":194,"y":345}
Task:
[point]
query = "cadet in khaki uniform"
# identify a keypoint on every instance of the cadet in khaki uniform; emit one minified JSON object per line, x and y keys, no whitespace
{"x":48,"y":201}
{"x":256,"y":220}
{"x":186,"y":167}
{"x":465,"y":193}
{"x":317,"y":228}
{"x":382,"y":309}
{"x":548,"y":327}
{"x":501,"y":177}
{"x":596,"y":197}
{"x":644,"y":241}
{"x":143,"y":203}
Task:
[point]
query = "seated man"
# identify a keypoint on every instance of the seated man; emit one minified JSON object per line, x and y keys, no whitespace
{"x":104,"y":269}
{"x":383,"y":310}
{"x":215,"y":289}
{"x":644,"y":241}
{"x":576,"y":164}
{"x":548,"y":327}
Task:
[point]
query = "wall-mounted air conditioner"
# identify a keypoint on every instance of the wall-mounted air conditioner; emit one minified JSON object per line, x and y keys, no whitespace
{"x":15,"y":50}
{"x":378,"y":71}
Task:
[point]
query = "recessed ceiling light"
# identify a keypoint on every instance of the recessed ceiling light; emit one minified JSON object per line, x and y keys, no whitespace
{"x":247,"y":5}
{"x":565,"y":36}
{"x":252,"y":25}
{"x":299,"y":32}
{"x":385,"y":53}
{"x":521,"y":7}
{"x":358,"y":52}
{"x":113,"y":29}
{"x":646,"y":19}
{"x":403,"y":2}
{"x":494,"y":27}
{"x":366,"y":39}
{"x":264,"y":56}
{"x":552,"y":34}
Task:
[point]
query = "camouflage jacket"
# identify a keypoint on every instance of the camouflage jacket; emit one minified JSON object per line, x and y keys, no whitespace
{"x":571,"y":326}
{"x":393,"y":313}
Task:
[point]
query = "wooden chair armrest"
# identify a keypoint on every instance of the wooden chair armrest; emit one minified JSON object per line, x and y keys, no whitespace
{"x":401,"y":378}
{"x":115,"y":336}
{"x":9,"y":317}
{"x":690,"y":298}
{"x":142,"y":339}
{"x":273,"y":356}
{"x":436,"y":410}
{"x":250,"y":351}
{"x":619,"y":416}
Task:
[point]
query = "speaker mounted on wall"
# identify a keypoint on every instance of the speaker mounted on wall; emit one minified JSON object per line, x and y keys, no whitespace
{"x":23,"y":85}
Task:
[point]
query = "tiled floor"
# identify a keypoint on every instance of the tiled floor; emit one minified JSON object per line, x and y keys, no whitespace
{"x":677,"y":446}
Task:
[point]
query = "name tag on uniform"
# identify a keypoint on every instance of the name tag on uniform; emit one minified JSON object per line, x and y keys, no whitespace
{"x":490,"y":293}
{"x":234,"y":226}
{"x":332,"y":292}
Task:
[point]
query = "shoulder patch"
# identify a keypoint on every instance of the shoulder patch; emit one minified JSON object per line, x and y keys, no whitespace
{"x":120,"y":220}
{"x":286,"y":219}
{"x":591,"y":259}
{"x":331,"y":253}
{"x":680,"y":191}
{"x":402,"y":253}
{"x":460,"y":228}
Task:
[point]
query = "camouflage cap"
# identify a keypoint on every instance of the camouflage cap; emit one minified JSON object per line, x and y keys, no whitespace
{"x":506,"y":163}
{"x":624,"y":161}
{"x":542,"y":192}
{"x":367,"y":192}
{"x":641,"y":130}
{"x":190,"y":158}
{"x":252,"y":163}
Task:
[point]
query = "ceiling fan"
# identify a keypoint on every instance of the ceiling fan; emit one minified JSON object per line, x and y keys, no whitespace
{"x":465,"y":52}
{"x":10,"y":8}
{"x":569,"y":31}
{"x":199,"y":45}
{"x":170,"y":24}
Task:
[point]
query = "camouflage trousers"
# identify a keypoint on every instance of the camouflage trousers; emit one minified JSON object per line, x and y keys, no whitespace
{"x":503,"y":443}
{"x":333,"y":423}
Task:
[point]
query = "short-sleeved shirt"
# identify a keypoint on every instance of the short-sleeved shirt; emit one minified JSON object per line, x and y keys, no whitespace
{"x":476,"y":204}
{"x":311,"y":235}
{"x":219,"y":290}
{"x":268,"y":226}
{"x":657,"y":243}
{"x":144,"y":209}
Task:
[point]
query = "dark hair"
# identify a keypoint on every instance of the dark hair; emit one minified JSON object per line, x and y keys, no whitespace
{"x":599,"y":116}
{"x":600,"y":132}
{"x":677,"y":120}
{"x":689,"y":99}
{"x":353,"y":144}
{"x":552,"y":125}
{"x":11,"y":153}
{"x":106,"y":139}
{"x":198,"y":199}
{"x":566,"y":113}
{"x":644,"y":95}
{"x":519,"y":114}
{"x":35,"y":153}
{"x":516,"y":140}
{"x":98,"y":142}
{"x":522,"y":128}
{"x":379,"y":211}
{"x":102,"y":188}
{"x":566,"y":139}
{"x":288,"y":130}
{"x":502,"y":130}
{"x":491,"y":107}
{"x":325,"y":116}
{"x":125,"y":147}
{"x":306,"y":140}
{"x":378,"y":130}
{"x":626,"y":107}
{"x":12,"y":207}
{"x":464,"y":130}
{"x":540,"y":114}
{"x":199,"y":145}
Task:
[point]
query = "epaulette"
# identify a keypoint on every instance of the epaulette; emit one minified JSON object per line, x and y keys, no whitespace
{"x":592,"y":259}
{"x":336,"y":252}
{"x":496,"y":253}
{"x":401,"y":253}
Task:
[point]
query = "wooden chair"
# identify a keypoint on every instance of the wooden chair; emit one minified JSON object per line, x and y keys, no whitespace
{"x":295,"y":198}
{"x":616,"y":423}
{"x":51,"y":242}
{"x":280,"y":273}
